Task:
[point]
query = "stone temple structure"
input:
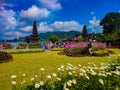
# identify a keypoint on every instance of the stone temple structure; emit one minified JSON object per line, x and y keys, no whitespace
{"x":84,"y":32}
{"x":35,"y":37}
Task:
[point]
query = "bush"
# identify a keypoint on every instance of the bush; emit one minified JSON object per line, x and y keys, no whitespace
{"x":100,"y":53}
{"x":57,"y":49}
{"x":96,"y":48}
{"x":4,"y":56}
{"x":25,"y":51}
{"x":30,"y":46}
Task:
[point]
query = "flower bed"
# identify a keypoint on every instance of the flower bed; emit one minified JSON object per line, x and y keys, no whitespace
{"x":70,"y":77}
{"x":81,"y":48}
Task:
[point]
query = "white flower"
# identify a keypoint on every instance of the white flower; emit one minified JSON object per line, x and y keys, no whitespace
{"x":68,"y":68}
{"x":62,"y":66}
{"x":32,"y":79}
{"x":64,"y":86}
{"x":74,"y":81}
{"x":87,"y":76}
{"x":82,"y":70}
{"x":59,"y":79}
{"x":69,"y":64}
{"x":42,"y":69}
{"x":79,"y":65}
{"x":13,"y":82}
{"x":70,"y":73}
{"x":48,"y":76}
{"x":54,"y":74}
{"x":37,"y":85}
{"x":36,"y":76}
{"x":81,"y":74}
{"x":59,"y":69}
{"x":70,"y":81}
{"x":24,"y":75}
{"x":14,"y":76}
{"x":108,"y":73}
{"x":118,"y":67}
{"x":68,"y":84}
{"x":117,"y":72}
{"x":74,"y":72}
{"x":101,"y":81}
{"x":102,"y":74}
{"x":41,"y":83}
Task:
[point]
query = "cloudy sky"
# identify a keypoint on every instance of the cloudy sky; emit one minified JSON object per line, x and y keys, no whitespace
{"x":17,"y":16}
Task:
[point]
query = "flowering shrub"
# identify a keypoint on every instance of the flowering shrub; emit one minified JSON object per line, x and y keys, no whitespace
{"x":72,"y":77}
{"x":81,"y":48}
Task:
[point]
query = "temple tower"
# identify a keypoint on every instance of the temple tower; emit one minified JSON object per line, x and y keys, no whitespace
{"x":84,"y":32}
{"x":35,"y":37}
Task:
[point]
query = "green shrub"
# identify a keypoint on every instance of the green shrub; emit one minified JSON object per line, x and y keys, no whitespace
{"x":4,"y":56}
{"x":30,"y":46}
{"x":96,"y":48}
{"x":57,"y":49}
{"x":100,"y":53}
{"x":25,"y":51}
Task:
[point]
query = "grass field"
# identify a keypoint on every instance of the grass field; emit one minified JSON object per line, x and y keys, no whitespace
{"x":32,"y":62}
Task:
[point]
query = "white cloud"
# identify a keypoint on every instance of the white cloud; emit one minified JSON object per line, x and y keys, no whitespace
{"x":27,"y":28}
{"x":94,"y":25}
{"x":35,"y":13}
{"x":44,"y":27}
{"x":15,"y":33}
{"x":51,"y":4}
{"x":56,"y":26}
{"x":66,"y":26}
{"x":8,"y":20}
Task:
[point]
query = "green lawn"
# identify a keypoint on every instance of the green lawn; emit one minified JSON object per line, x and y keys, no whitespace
{"x":31,"y":63}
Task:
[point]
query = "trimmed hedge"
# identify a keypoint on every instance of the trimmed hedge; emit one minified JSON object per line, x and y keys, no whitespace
{"x":25,"y":51}
{"x":100,"y":53}
{"x":4,"y":56}
{"x":57,"y":49}
{"x":30,"y":46}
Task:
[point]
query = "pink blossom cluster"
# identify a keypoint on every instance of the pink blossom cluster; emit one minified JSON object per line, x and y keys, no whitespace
{"x":83,"y":44}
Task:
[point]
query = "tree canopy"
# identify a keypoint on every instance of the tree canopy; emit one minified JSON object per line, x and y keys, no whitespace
{"x":110,"y":23}
{"x":53,"y":38}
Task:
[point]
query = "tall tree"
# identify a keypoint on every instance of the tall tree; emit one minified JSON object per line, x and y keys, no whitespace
{"x":110,"y":23}
{"x":53,"y":38}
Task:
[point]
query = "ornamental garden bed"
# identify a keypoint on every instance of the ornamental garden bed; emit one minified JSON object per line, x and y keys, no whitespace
{"x":81,"y":49}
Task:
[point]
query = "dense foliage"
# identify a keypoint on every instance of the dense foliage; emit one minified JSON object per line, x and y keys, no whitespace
{"x":106,"y":76}
{"x":53,"y":38}
{"x":111,"y":22}
{"x":4,"y":56}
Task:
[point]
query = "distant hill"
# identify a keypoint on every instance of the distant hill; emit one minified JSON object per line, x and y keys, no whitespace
{"x":60,"y":34}
{"x":45,"y":36}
